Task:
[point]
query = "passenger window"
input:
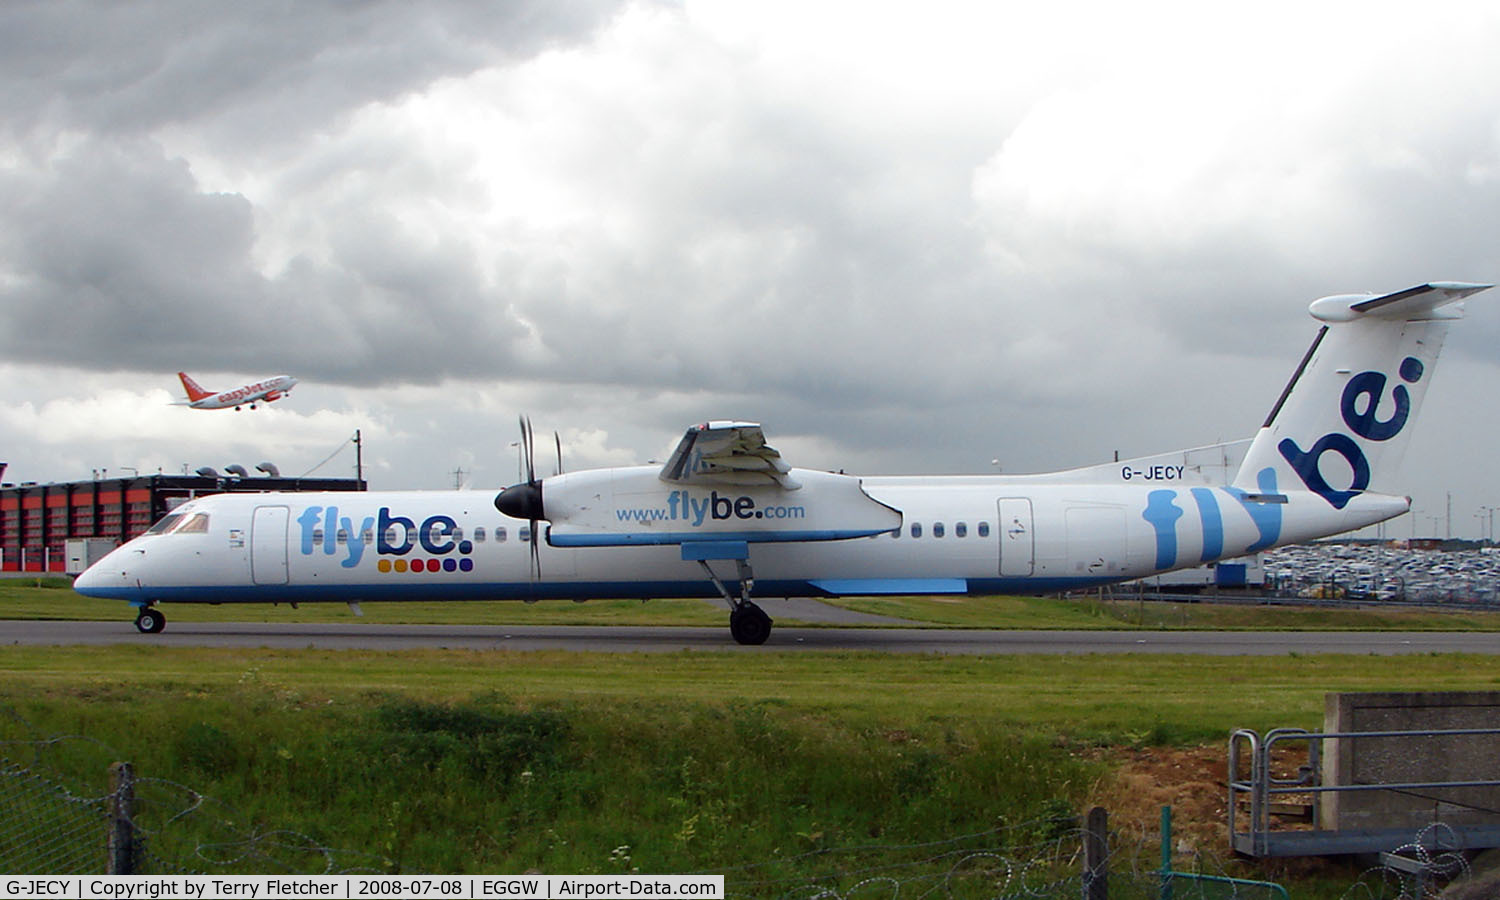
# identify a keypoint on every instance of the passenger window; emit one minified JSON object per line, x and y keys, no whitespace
{"x":960,"y":529}
{"x":984,"y":529}
{"x":524,"y":534}
{"x":457,"y":534}
{"x":367,"y":536}
{"x":500,"y":535}
{"x":479,"y":535}
{"x":937,"y":529}
{"x":341,"y":536}
{"x":317,"y":536}
{"x":916,"y":529}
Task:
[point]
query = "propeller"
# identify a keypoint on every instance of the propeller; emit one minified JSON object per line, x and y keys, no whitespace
{"x":524,"y":499}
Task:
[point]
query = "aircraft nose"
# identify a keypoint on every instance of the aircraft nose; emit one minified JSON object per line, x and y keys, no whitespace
{"x":109,"y":577}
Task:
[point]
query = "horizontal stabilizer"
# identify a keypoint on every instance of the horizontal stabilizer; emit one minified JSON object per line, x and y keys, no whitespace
{"x":1421,"y":302}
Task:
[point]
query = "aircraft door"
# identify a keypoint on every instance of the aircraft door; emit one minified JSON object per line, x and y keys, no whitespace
{"x":268,"y":532}
{"x":1017,"y":544}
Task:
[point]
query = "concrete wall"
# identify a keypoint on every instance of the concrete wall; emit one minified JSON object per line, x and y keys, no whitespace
{"x":1411,"y":759}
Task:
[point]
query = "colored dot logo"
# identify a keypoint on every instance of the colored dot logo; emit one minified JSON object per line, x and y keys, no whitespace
{"x":421,"y":566}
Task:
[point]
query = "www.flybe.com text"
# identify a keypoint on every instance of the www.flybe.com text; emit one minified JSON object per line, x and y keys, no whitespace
{"x":694,"y":511}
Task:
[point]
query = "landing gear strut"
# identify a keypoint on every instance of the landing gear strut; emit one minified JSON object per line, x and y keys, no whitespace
{"x":748,"y":623}
{"x":150,"y":621}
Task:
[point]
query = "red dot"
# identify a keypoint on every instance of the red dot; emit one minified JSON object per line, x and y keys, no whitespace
{"x":416,"y":565}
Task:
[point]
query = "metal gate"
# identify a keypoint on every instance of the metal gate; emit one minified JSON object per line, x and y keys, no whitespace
{"x":1017,"y":545}
{"x":268,"y":545}
{"x":1254,"y":795}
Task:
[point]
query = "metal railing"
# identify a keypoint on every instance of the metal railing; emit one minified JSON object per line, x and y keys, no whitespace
{"x":1256,"y":837}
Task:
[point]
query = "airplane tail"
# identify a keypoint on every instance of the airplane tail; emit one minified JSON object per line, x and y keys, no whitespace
{"x":1343,"y":422}
{"x":194,"y":392}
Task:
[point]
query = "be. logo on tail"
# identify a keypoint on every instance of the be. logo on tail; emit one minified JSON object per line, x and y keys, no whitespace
{"x":1358,"y":406}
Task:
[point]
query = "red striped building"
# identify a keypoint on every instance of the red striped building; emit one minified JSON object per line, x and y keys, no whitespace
{"x":37,"y":520}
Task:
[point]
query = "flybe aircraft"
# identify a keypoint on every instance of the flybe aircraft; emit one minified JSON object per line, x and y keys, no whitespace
{"x":267,"y":389}
{"x":727,"y":516}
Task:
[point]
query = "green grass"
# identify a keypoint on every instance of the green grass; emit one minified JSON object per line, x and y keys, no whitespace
{"x":502,"y":761}
{"x":495,"y":761}
{"x":52,"y":598}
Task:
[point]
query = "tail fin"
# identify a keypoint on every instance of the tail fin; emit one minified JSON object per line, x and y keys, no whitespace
{"x":1340,"y":427}
{"x":194,"y":392}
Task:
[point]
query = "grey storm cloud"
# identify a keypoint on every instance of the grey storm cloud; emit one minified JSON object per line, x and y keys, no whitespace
{"x":277,"y":68}
{"x":108,"y":233}
{"x":920,"y":241}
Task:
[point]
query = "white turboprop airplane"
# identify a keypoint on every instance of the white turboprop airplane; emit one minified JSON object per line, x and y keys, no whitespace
{"x":727,"y":516}
{"x":273,"y":388}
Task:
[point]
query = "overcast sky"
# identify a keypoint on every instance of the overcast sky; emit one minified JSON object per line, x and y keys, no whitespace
{"x":905,"y":237}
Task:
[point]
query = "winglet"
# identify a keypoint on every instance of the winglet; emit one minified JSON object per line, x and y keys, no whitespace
{"x":726,"y":452}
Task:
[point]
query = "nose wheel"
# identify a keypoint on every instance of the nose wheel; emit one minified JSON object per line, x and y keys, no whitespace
{"x":150,"y":621}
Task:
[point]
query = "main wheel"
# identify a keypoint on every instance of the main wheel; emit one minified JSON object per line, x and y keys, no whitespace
{"x":749,"y":624}
{"x":150,"y":621}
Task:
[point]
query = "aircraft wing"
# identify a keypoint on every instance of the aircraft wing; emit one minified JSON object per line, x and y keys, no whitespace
{"x":725,"y":452}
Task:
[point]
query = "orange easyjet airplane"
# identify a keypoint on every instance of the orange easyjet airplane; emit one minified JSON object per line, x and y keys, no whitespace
{"x":269,"y":389}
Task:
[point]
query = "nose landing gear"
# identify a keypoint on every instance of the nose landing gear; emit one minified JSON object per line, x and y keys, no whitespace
{"x":150,"y":620}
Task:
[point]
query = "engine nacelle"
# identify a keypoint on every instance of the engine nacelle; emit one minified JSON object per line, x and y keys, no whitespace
{"x":628,"y":506}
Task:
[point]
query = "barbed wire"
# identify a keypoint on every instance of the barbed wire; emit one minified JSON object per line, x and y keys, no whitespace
{"x":48,"y":826}
{"x":51,"y":826}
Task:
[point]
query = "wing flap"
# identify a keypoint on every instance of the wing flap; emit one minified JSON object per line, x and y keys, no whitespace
{"x":726,"y":452}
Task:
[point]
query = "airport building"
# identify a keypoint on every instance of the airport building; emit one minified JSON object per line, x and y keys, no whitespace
{"x":64,"y":526}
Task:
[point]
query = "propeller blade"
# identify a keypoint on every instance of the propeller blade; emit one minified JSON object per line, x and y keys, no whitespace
{"x":528,"y":448}
{"x":536,"y":553}
{"x":558,"y":439}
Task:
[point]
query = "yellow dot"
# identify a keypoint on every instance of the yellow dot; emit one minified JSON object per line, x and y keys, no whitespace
{"x":384,"y":565}
{"x":400,"y":565}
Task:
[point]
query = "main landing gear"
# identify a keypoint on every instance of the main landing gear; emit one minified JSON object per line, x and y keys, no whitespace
{"x":150,"y":620}
{"x":748,"y":623}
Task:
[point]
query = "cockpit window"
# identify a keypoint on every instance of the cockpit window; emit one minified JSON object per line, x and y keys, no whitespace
{"x":181,"y":523}
{"x":165,"y":524}
{"x":196,"y":524}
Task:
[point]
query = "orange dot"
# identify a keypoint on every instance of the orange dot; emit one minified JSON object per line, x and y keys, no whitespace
{"x":384,"y":565}
{"x":400,"y":565}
